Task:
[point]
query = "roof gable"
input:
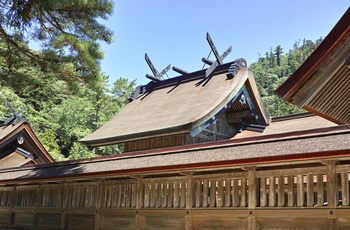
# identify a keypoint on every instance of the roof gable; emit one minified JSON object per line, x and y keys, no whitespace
{"x":19,"y":146}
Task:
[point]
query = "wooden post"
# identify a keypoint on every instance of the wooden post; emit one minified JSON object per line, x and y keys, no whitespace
{"x":189,"y":192}
{"x":251,"y":223}
{"x":333,"y":223}
{"x":188,"y":222}
{"x":332,"y":195}
{"x":252,"y":195}
{"x":189,"y":201}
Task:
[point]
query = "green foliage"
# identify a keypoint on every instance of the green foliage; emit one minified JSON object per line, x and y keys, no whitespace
{"x":67,"y":31}
{"x":79,"y":115}
{"x":48,"y":139}
{"x":79,"y":151}
{"x":122,"y":88}
{"x":274,"y":69}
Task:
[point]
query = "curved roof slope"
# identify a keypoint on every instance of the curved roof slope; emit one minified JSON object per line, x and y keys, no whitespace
{"x":179,"y":107}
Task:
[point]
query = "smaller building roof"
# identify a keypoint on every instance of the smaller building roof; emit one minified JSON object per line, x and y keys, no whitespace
{"x":321,"y":84}
{"x":179,"y":105}
{"x":20,"y":146}
{"x":289,"y":123}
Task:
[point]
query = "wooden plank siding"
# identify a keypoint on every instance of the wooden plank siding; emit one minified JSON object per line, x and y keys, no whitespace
{"x":252,"y":198}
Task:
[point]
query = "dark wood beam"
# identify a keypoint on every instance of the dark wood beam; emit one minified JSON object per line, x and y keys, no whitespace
{"x":236,"y":116}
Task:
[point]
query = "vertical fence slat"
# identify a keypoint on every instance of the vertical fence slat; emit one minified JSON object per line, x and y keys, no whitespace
{"x":205,"y":193}
{"x":227,"y":193}
{"x":345,"y":188}
{"x":291,"y":191}
{"x":198,"y":194}
{"x":171,"y":195}
{"x":320,"y":190}
{"x":300,"y":190}
{"x":164,"y":194}
{"x":183,"y":195}
{"x":147,"y":198}
{"x":220,"y":194}
{"x":262,"y":192}
{"x":212,"y":193}
{"x":310,"y":190}
{"x":272,"y":191}
{"x":235,"y":190}
{"x":244,"y":192}
{"x":176,"y":195}
{"x":280,"y":191}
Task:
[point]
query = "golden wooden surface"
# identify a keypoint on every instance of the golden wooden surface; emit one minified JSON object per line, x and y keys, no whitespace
{"x":247,"y":199}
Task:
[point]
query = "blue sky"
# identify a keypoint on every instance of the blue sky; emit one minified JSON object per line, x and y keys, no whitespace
{"x":173,"y":32}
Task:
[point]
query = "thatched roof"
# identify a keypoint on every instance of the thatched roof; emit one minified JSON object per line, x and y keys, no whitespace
{"x":183,"y":105}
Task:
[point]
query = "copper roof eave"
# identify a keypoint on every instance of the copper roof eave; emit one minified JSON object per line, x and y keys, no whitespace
{"x":316,"y":59}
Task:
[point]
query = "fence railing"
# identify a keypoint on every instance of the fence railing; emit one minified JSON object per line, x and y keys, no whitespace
{"x":322,"y":186}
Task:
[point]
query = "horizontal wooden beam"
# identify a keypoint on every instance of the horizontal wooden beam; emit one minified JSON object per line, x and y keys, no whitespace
{"x":236,"y":116}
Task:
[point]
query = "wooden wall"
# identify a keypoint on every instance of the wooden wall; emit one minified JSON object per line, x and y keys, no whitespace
{"x":278,"y":197}
{"x":221,"y":130}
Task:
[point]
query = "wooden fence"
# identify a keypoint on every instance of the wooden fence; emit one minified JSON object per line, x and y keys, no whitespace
{"x":250,"y":198}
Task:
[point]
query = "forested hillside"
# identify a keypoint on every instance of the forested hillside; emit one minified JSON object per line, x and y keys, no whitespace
{"x":274,"y":67}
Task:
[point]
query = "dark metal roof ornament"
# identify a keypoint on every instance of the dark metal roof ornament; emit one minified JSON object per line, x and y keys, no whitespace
{"x":235,"y":67}
{"x":15,"y":118}
{"x":219,"y":59}
{"x":156,"y":77}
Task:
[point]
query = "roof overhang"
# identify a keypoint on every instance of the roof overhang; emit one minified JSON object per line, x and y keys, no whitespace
{"x":321,"y":84}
